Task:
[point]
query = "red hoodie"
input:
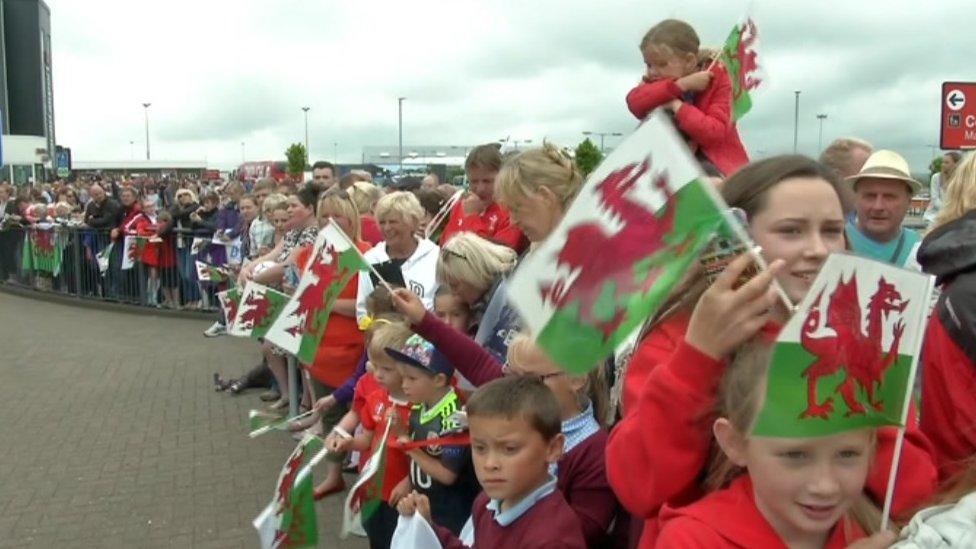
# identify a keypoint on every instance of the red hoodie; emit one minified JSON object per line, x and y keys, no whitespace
{"x":707,"y":121}
{"x":657,"y":453}
{"x":948,"y":406}
{"x":730,"y":518}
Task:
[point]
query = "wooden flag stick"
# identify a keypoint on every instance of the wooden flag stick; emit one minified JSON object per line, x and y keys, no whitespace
{"x":906,"y":406}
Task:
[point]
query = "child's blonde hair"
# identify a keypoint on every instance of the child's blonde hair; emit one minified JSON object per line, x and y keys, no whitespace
{"x":740,"y":397}
{"x":672,"y":36}
{"x":530,"y":170}
{"x":387,"y":334}
{"x":276,"y":201}
{"x":595,"y":390}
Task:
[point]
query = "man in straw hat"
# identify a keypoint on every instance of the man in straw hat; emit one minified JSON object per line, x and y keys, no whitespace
{"x":884,"y":189}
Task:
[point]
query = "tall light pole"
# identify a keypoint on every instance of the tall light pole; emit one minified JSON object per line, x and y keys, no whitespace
{"x":821,"y":117}
{"x":400,"y":129}
{"x":305,"y":110}
{"x":603,"y":135}
{"x":132,"y":154}
{"x":145,"y":106}
{"x":796,"y":120}
{"x":335,"y":153}
{"x":243,"y":151}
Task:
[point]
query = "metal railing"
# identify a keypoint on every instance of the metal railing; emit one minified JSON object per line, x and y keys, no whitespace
{"x":87,"y":263}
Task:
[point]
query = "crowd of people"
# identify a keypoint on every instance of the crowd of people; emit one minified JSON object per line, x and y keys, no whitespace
{"x":553,"y":460}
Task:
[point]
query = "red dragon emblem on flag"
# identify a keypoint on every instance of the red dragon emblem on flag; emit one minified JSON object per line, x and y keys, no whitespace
{"x":860,"y":356}
{"x":747,"y":57}
{"x":326,"y":269}
{"x":284,"y":538}
{"x":257,"y":311}
{"x":595,"y":256}
{"x":43,"y":242}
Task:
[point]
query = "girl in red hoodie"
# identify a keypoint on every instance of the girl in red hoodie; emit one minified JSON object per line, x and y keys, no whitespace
{"x":808,"y":492}
{"x":657,"y":453}
{"x":682,"y":80}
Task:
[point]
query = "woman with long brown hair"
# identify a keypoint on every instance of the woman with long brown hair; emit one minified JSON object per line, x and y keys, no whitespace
{"x":657,"y":454}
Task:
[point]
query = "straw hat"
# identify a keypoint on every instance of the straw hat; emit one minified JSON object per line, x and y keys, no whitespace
{"x":884,"y":164}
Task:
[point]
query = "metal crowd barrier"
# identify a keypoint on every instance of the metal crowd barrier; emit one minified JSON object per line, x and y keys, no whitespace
{"x":87,"y":264}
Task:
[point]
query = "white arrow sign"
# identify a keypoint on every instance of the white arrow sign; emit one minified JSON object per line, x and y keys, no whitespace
{"x":955,"y":100}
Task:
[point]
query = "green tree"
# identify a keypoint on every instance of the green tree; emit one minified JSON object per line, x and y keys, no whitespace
{"x":935,"y":166}
{"x":588,"y":156}
{"x":297,"y":159}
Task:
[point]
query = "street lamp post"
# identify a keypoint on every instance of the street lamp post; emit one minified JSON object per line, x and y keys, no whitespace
{"x":146,"y":106}
{"x":132,"y":153}
{"x":602,"y":136}
{"x":821,"y":117}
{"x":796,"y":120}
{"x":335,"y":153}
{"x":305,"y":110}
{"x":400,"y":129}
{"x":243,"y":151}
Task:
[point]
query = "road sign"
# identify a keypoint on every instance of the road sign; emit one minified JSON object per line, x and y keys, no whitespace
{"x":958,"y":115}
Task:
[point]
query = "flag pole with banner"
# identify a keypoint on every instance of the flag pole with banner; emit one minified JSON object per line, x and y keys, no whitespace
{"x":740,"y":57}
{"x":259,"y":307}
{"x":300,"y":326}
{"x":649,"y":211}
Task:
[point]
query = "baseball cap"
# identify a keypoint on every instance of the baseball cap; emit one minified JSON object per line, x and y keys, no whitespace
{"x":420,"y":353}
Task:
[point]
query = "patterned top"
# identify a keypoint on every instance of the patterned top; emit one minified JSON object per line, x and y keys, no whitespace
{"x":262,"y":235}
{"x":297,"y":238}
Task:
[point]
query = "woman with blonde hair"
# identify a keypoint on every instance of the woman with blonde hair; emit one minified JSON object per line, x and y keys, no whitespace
{"x":537,"y":186}
{"x":401,"y":253}
{"x":477,"y":271}
{"x":342,"y":344}
{"x":949,"y":357}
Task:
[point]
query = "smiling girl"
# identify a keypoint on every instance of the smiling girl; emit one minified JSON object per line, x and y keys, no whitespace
{"x":656,"y":454}
{"x":775,"y":492}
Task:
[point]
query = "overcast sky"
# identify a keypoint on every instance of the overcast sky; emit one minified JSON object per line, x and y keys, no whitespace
{"x":219,"y":73}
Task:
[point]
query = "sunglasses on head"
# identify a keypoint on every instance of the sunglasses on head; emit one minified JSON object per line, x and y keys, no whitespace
{"x":451,"y":252}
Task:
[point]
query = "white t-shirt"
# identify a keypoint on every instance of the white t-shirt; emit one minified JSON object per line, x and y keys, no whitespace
{"x":419,"y":272}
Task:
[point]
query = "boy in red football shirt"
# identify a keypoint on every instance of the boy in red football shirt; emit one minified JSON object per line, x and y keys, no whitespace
{"x":378,"y":407}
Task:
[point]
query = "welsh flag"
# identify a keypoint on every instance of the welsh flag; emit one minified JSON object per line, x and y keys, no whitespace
{"x":133,"y":247}
{"x":334,"y":262}
{"x":366,"y":495}
{"x":638,"y":224}
{"x":230,"y":300}
{"x":42,"y":251}
{"x":847,"y":358}
{"x":290,"y":519}
{"x":260,"y":422}
{"x":741,"y":59}
{"x":258,"y":309}
{"x":212,"y":273}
